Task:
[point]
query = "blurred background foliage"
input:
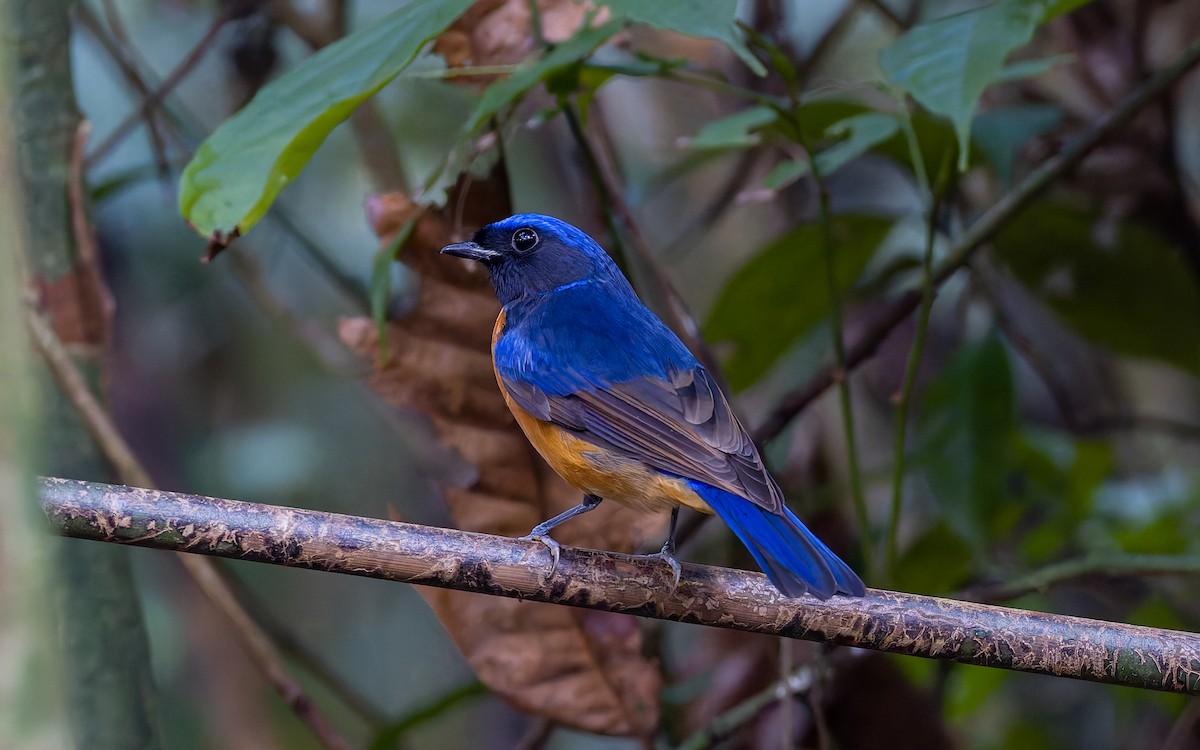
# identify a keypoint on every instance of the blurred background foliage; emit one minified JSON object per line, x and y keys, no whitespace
{"x":1041,"y":450}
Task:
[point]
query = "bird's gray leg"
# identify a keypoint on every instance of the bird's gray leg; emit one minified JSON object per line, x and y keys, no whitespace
{"x":541,"y":532}
{"x":668,"y":549}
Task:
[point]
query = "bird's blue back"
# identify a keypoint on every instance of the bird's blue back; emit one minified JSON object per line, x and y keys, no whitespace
{"x":587,"y":334}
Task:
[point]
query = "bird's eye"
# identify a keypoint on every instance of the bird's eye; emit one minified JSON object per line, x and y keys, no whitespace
{"x":524,"y":240}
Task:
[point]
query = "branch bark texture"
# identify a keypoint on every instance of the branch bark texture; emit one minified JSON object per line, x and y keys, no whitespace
{"x":925,"y":626}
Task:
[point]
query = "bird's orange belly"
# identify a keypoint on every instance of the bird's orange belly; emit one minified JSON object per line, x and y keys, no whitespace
{"x":601,"y":472}
{"x":598,"y":471}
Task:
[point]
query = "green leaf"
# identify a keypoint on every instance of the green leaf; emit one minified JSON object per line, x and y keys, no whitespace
{"x":738,"y":130}
{"x":708,"y":19}
{"x":1056,"y":8}
{"x":1000,"y":132}
{"x":1059,"y":477}
{"x":968,"y":429}
{"x":936,"y":562}
{"x":565,"y":55}
{"x":777,"y":297}
{"x":1031,"y":68}
{"x":947,"y":63}
{"x":1135,"y":295}
{"x":236,"y":174}
{"x":785,"y":173}
{"x":865,"y":131}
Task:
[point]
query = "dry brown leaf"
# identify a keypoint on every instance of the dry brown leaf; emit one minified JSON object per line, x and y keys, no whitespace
{"x":497,"y":32}
{"x":578,"y":668}
{"x":78,"y":305}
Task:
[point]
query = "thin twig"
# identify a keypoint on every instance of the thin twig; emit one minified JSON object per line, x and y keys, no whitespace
{"x":1149,"y":422}
{"x":885,"y":10}
{"x":725,"y":725}
{"x":845,"y":400}
{"x":112,"y":45}
{"x":155,"y":97}
{"x":967,"y":632}
{"x":85,"y":239}
{"x":932,"y":203}
{"x":827,"y":42}
{"x":983,"y":230}
{"x":1186,"y":724}
{"x":1098,"y":564}
{"x":102,"y":429}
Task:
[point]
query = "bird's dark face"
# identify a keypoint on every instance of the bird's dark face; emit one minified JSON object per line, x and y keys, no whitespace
{"x":531,"y":255}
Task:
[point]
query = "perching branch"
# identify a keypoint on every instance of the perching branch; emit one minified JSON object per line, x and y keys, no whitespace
{"x":926,"y":626}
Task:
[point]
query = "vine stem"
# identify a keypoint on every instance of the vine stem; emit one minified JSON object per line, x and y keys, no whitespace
{"x":904,"y":398}
{"x":845,"y":402}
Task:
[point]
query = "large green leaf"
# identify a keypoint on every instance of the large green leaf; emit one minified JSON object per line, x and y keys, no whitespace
{"x":1134,"y":295}
{"x":782,"y":292}
{"x":709,"y":19}
{"x":947,"y":63}
{"x":236,"y":174}
{"x":968,"y":430}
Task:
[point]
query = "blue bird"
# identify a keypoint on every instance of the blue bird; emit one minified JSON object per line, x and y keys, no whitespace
{"x":619,"y":407}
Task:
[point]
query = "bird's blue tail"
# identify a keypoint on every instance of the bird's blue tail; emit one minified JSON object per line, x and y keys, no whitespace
{"x":793,"y":558}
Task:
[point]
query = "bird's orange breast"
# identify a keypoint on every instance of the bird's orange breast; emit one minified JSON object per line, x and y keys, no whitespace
{"x":596,"y":470}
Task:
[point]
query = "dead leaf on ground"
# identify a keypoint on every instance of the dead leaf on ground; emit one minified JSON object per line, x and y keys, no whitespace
{"x":577,"y":668}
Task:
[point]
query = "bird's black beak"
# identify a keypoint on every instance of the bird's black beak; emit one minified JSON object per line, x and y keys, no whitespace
{"x":471,"y":251}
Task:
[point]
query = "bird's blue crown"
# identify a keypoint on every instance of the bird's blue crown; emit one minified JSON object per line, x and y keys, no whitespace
{"x":535,"y":254}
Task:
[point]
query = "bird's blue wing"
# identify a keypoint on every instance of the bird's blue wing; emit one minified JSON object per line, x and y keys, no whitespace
{"x":615,"y":376}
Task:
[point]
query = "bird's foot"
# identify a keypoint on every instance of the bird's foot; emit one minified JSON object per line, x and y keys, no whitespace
{"x":668,"y":556}
{"x":538,"y":535}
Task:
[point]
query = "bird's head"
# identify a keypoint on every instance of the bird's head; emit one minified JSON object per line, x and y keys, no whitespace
{"x":531,"y":254}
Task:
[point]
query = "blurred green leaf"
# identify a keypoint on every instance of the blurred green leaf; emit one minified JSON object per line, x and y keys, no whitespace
{"x":1167,"y":534}
{"x":785,"y":173}
{"x":781,"y":293}
{"x":1061,"y":476}
{"x":738,"y":130}
{"x":556,"y":61}
{"x":864,"y":132}
{"x":1134,"y":295}
{"x":393,"y":734}
{"x":861,"y":133}
{"x":1031,"y":68}
{"x":1000,"y":132}
{"x":947,"y":63}
{"x":937,"y":562}
{"x":970,"y":689}
{"x":238,"y":171}
{"x":1056,"y":8}
{"x":708,"y":19}
{"x":1030,"y":734}
{"x":968,"y":430}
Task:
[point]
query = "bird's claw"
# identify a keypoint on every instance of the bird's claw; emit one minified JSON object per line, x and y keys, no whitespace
{"x":554,"y":547}
{"x":676,"y":569}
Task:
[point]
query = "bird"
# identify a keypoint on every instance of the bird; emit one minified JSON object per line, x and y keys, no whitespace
{"x":620,"y":408}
